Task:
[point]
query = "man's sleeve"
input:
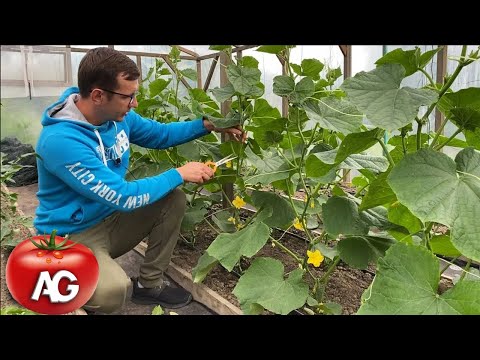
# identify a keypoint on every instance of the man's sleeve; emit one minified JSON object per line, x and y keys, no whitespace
{"x":154,"y":135}
{"x":81,"y":169}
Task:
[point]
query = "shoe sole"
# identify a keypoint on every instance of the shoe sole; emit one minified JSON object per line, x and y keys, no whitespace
{"x":149,"y":301}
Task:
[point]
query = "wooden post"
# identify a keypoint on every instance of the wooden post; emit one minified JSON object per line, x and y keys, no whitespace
{"x":441,"y":71}
{"x":225,"y":108}
{"x":347,"y":72}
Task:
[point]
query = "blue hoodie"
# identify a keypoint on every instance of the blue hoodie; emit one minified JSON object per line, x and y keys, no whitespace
{"x":82,"y":167}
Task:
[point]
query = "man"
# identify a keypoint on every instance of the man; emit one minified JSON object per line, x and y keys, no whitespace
{"x":84,"y":154}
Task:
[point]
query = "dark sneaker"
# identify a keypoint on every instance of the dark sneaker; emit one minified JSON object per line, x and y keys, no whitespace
{"x":166,"y":295}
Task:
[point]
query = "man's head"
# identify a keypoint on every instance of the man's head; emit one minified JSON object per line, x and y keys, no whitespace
{"x":110,"y":80}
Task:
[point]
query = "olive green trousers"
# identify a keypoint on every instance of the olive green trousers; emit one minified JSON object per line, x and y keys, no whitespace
{"x":121,"y":232}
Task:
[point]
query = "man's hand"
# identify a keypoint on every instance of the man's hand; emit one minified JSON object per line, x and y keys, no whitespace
{"x":235,"y":131}
{"x":195,"y":172}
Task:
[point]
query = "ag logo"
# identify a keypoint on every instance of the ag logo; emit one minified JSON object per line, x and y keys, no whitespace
{"x":51,"y":287}
{"x":53,"y":276}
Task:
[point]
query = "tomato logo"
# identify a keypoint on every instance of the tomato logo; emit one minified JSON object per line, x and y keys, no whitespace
{"x":51,"y":277}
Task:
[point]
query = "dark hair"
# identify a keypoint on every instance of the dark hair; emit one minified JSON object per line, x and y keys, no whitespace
{"x":100,"y":68}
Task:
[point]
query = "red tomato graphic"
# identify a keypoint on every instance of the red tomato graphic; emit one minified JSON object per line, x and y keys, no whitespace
{"x":52,"y":276}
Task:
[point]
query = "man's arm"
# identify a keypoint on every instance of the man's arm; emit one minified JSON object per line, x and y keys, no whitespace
{"x":151,"y":134}
{"x":81,"y":169}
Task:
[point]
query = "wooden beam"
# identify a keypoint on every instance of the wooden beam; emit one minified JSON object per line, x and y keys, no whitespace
{"x":170,"y":64}
{"x":441,"y":71}
{"x":210,"y":73}
{"x":237,"y":49}
{"x":199,"y":74}
{"x":343,"y":49}
{"x":200,"y":292}
{"x":139,"y":65}
{"x":187,"y":51}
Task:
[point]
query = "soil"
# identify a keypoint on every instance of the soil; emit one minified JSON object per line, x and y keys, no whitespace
{"x":345,"y":287}
{"x":22,"y":233}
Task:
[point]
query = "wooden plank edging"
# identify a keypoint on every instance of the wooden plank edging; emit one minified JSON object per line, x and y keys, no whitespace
{"x":200,"y":292}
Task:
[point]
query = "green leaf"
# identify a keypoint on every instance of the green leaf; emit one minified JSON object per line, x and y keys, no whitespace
{"x":312,"y":68}
{"x":400,"y":215}
{"x":376,"y":164}
{"x":224,"y":93}
{"x":157,"y":86}
{"x":379,"y":193}
{"x":264,"y":284}
{"x":466,"y":118}
{"x":265,"y":114}
{"x":228,"y":248}
{"x":378,"y":94}
{"x":443,"y":191}
{"x":190,"y":74}
{"x":204,"y":265}
{"x":190,"y":151}
{"x":329,"y":252}
{"x":271,"y":168}
{"x":13,"y":310}
{"x":473,"y":138}
{"x":232,"y":119}
{"x":283,"y":214}
{"x":442,"y":245}
{"x":202,"y":97}
{"x":221,"y":220}
{"x":193,"y":216}
{"x":220,"y":47}
{"x":464,"y":98}
{"x":340,"y":216}
{"x":243,"y":78}
{"x":409,"y":59}
{"x":356,"y":143}
{"x":360,"y":251}
{"x":248,"y":61}
{"x":334,"y":114}
{"x":297,"y":93}
{"x":157,"y":310}
{"x":272,"y":49}
{"x":407,"y":283}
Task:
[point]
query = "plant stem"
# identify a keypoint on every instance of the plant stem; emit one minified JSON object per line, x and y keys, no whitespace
{"x":403,"y":146}
{"x":419,"y":133}
{"x":428,"y":77}
{"x":288,"y":251}
{"x":213,"y":227}
{"x":446,"y":267}
{"x":467,"y":267}
{"x":439,"y":131}
{"x":331,"y":268}
{"x":387,"y":154}
{"x":449,"y":139}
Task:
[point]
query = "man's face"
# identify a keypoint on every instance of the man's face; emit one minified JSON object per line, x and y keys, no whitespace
{"x":122,"y":99}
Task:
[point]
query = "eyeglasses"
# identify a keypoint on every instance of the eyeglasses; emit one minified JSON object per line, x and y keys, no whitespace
{"x":132,"y":97}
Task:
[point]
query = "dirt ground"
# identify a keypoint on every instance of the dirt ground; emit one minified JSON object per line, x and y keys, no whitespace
{"x":345,"y":287}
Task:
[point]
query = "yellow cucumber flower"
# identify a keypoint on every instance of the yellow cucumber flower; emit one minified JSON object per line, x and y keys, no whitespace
{"x":297,"y":224}
{"x":314,"y":257}
{"x":238,"y":202}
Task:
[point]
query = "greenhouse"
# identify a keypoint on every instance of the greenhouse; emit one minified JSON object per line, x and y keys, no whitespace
{"x":240,"y":179}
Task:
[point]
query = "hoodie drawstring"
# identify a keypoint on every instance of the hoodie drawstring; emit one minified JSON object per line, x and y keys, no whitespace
{"x":102,"y":149}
